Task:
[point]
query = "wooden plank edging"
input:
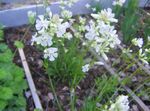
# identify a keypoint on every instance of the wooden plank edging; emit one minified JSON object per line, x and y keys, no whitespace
{"x":30,"y":80}
{"x":18,"y":16}
{"x":104,"y":2}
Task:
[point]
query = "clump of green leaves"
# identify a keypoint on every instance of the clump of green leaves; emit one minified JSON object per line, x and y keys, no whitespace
{"x":105,"y":87}
{"x":68,"y":65}
{"x":146,"y":28}
{"x":19,"y":44}
{"x":129,"y":25}
{"x":89,"y":105}
{"x":12,"y":83}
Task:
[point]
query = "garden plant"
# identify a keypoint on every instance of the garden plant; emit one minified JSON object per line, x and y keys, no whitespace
{"x":12,"y":82}
{"x":90,"y":62}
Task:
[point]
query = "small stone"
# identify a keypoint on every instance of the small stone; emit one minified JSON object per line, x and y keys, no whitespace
{"x":28,"y":94}
{"x":146,"y":97}
{"x":79,"y":102}
{"x":98,"y":105}
{"x":40,"y":63}
{"x":65,"y":88}
{"x":79,"y":87}
{"x":62,"y":97}
{"x":50,"y":96}
{"x":135,"y":108}
{"x":134,"y":79}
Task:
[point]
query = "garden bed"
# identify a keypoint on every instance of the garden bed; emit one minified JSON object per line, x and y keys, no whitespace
{"x":34,"y":59}
{"x":121,"y":74}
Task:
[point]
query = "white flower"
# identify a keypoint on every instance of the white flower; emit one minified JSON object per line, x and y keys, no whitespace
{"x":143,"y":57}
{"x":43,"y":39}
{"x":41,"y":23}
{"x":94,"y":9}
{"x":109,"y":34}
{"x":82,"y":20}
{"x":62,"y":29}
{"x":51,"y":53}
{"x":87,"y":5}
{"x":68,"y":36}
{"x":66,"y":14}
{"x":31,"y":14}
{"x":103,"y":37}
{"x":91,"y":34}
{"x":119,"y":2}
{"x":105,"y":15}
{"x":85,"y":68}
{"x":121,"y":104}
{"x":138,"y":42}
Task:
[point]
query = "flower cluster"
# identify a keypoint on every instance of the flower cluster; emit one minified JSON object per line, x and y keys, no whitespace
{"x":86,"y":68}
{"x":48,"y":28}
{"x":119,"y":2}
{"x":142,"y":53}
{"x":101,"y":34}
{"x":121,"y":104}
{"x":138,"y":42}
{"x":106,"y":16}
{"x":66,"y":14}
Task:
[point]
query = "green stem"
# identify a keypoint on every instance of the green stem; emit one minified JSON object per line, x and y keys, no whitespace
{"x":54,"y":93}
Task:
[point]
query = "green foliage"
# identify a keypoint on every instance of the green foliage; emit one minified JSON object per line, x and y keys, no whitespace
{"x":105,"y":87}
{"x":3,"y":47}
{"x":97,"y":7}
{"x":68,"y":65}
{"x":146,"y":28}
{"x":19,"y":44}
{"x":37,"y":110}
{"x":6,"y":56}
{"x":12,"y":83}
{"x":1,"y":33}
{"x":118,"y":10}
{"x":129,"y":25}
{"x":31,"y":17}
{"x":89,"y":105}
